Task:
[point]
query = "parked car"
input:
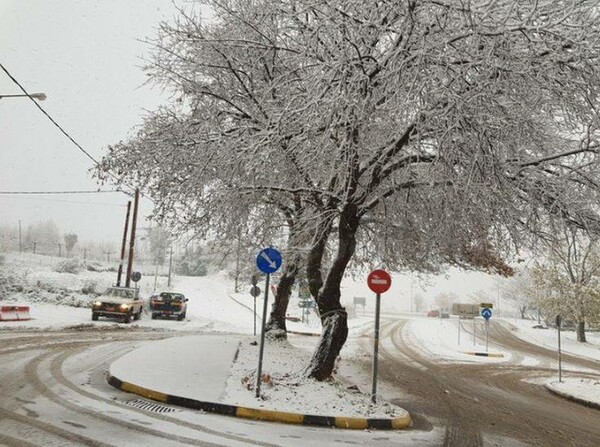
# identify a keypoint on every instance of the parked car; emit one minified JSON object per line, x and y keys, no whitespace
{"x":121,"y":303}
{"x":168,"y":304}
{"x":433,"y":313}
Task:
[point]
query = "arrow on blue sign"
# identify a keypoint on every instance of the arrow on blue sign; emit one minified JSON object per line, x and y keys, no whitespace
{"x":486,"y":313}
{"x":268,"y":260}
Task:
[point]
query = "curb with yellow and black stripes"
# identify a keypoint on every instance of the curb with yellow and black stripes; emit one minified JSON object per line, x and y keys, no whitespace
{"x":263,"y":415}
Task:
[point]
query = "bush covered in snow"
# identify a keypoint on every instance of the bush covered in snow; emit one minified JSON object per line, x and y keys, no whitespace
{"x":90,"y":287}
{"x":97,"y":267}
{"x":68,"y":266}
{"x":11,"y":281}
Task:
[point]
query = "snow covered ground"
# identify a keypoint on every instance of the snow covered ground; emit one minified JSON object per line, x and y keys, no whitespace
{"x":57,"y":301}
{"x":548,"y":338}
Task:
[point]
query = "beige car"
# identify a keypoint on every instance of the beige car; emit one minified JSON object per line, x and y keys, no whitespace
{"x":121,"y":303}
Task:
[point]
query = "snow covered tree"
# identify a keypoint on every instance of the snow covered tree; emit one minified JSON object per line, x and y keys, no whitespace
{"x":43,"y":235}
{"x":70,"y":241}
{"x":520,"y":291}
{"x":444,"y":300}
{"x":439,"y":131}
{"x":568,"y":282}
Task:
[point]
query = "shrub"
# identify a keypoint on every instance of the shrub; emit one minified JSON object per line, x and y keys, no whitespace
{"x":68,"y":266}
{"x":89,"y":288}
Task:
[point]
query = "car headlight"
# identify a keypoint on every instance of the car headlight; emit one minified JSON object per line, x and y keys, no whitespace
{"x":97,"y":304}
{"x":124,"y":306}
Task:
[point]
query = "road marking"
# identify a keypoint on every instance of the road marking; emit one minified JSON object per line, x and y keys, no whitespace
{"x":378,"y":281}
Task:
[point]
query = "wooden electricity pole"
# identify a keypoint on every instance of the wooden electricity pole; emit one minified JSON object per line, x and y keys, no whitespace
{"x":123,"y":245}
{"x":132,"y":238}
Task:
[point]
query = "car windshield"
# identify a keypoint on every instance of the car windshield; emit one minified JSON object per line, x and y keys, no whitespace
{"x":171,"y":296}
{"x":123,"y":293}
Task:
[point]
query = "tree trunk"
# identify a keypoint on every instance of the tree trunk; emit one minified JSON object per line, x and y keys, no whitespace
{"x":276,"y":327}
{"x":523,"y":309}
{"x":314,"y":260}
{"x":581,"y":331}
{"x":333,"y":316}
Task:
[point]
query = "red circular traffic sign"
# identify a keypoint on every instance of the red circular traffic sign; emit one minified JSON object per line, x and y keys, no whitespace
{"x":379,"y":281}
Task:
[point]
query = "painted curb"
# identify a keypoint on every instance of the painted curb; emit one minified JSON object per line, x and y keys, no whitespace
{"x":485,"y":354}
{"x":572,"y":398}
{"x":263,"y":415}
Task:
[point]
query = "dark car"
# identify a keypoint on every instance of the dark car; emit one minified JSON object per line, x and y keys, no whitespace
{"x":168,"y":304}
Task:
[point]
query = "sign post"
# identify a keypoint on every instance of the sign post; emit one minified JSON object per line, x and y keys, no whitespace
{"x":254,"y":291}
{"x":135,"y":277}
{"x":486,"y":313}
{"x":379,"y":281}
{"x":558,"y":321}
{"x":268,"y":261}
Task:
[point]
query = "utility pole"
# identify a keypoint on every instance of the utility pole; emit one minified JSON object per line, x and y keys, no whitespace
{"x":34,"y":246}
{"x":84,"y":254}
{"x":237,"y":259}
{"x":20,"y":238}
{"x":108,"y":253}
{"x":132,"y":238}
{"x":59,"y":249}
{"x":170,"y":266}
{"x":123,"y":245}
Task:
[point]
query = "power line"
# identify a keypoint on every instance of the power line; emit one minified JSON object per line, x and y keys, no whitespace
{"x":47,"y":199}
{"x":64,"y":132}
{"x":49,"y":117}
{"x":57,"y":192}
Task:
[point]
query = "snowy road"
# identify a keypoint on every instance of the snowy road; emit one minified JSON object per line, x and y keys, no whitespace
{"x":53,"y":393}
{"x":482,"y":404}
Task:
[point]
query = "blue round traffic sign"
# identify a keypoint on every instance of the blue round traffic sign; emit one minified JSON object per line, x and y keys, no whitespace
{"x":486,"y":313}
{"x":268,"y":260}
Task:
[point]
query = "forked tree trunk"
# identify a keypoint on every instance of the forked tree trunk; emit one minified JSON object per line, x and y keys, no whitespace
{"x":333,"y":316}
{"x":276,"y":327}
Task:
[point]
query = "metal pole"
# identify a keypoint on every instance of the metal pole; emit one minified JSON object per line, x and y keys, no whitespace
{"x":136,"y":199}
{"x":170,"y":266}
{"x":375,"y":350}
{"x":559,"y":356}
{"x":254,"y":315}
{"x":262,"y":337}
{"x":155,"y":272}
{"x":411,"y":292}
{"x":237,"y":260}
{"x":123,"y":245}
{"x":459,"y":330}
{"x":487,"y":329}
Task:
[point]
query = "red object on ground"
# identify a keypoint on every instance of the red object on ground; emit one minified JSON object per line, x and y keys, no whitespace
{"x":379,"y":281}
{"x":14,"y":313}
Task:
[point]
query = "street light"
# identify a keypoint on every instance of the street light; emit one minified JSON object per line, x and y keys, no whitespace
{"x":38,"y":96}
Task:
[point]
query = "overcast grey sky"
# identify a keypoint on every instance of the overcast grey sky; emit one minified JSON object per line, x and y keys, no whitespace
{"x":85,"y":55}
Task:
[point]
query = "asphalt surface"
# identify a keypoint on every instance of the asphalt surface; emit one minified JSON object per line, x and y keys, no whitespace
{"x":487,"y":404}
{"x":54,"y":393}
